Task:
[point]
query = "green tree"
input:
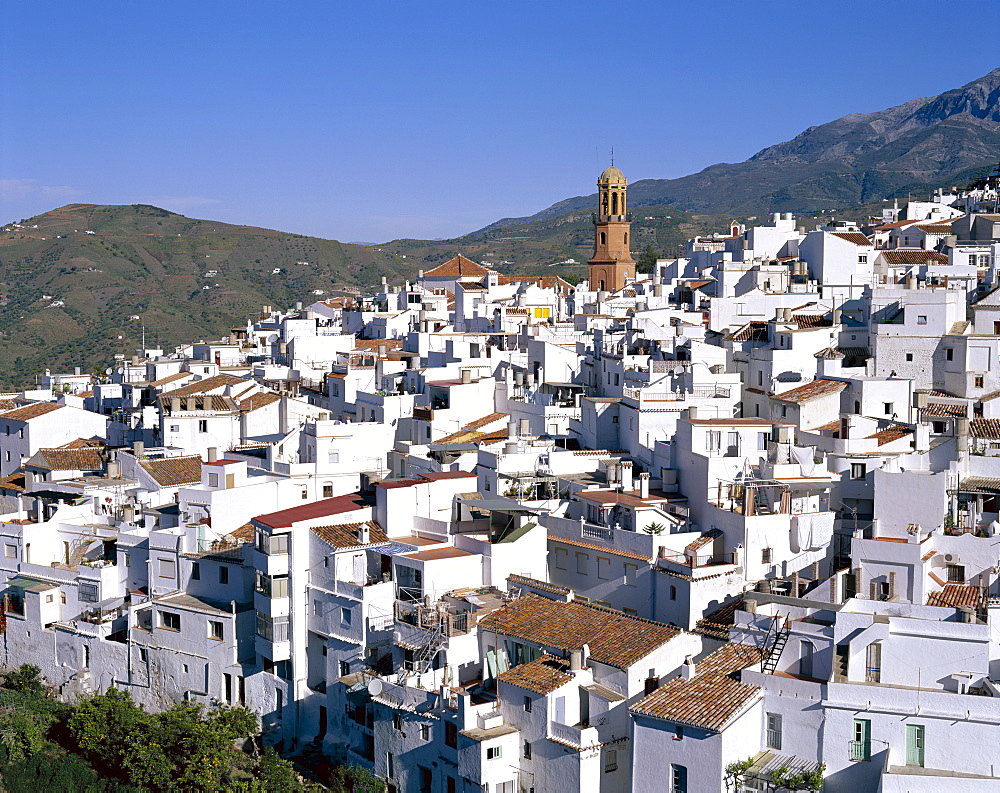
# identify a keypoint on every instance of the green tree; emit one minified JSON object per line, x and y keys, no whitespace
{"x":654,"y":528}
{"x":27,"y":679}
{"x":647,"y":259}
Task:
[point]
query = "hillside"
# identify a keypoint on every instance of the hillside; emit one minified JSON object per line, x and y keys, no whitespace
{"x":860,"y":158}
{"x":71,"y":279}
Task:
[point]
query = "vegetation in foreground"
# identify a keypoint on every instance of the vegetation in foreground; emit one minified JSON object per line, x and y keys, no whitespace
{"x":109,"y":744}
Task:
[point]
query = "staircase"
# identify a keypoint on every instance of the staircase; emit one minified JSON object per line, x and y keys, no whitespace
{"x":761,"y":505}
{"x":777,"y":647}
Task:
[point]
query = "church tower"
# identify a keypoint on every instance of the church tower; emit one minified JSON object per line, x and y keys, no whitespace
{"x":611,"y":266}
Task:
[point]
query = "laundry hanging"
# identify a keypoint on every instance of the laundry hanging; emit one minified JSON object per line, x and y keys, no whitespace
{"x":822,"y":529}
{"x":805,"y":456}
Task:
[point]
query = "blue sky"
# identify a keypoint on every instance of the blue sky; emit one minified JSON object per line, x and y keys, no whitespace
{"x":374,"y":120}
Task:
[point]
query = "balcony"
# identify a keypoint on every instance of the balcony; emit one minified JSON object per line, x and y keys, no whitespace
{"x":579,"y":737}
{"x":860,"y":751}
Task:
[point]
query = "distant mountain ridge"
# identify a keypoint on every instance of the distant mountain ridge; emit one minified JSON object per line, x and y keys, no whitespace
{"x":856,"y":159}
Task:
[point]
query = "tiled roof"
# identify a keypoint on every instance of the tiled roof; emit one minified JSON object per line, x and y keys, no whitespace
{"x":855,"y":352}
{"x":208,"y":384}
{"x":942,"y":409}
{"x":209,"y":402}
{"x":614,"y":639}
{"x":173,"y":471}
{"x":897,"y":225}
{"x":809,"y":391}
{"x":938,"y":227}
{"x":954,"y":595}
{"x":829,"y":354}
{"x":89,"y":458}
{"x":32,"y":411}
{"x":855,"y":237}
{"x":891,"y":434}
{"x":718,"y":623}
{"x":985,"y":428}
{"x":372,"y":345}
{"x":980,"y":484}
{"x":170,"y":378}
{"x":703,"y":540}
{"x":259,"y":400}
{"x":455,"y":267}
{"x":467,"y":436}
{"x":8,"y":404}
{"x":812,"y":320}
{"x":244,"y":533}
{"x":752,"y":331}
{"x":485,"y":420}
{"x":14,"y":482}
{"x":542,"y":676}
{"x":709,"y":700}
{"x":345,"y":535}
{"x":732,"y":656}
{"x":904,"y":256}
{"x":83,"y":443}
{"x":830,"y":426}
{"x":534,"y":583}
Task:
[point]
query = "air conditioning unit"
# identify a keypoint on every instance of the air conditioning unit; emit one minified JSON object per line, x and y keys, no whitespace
{"x":949,"y":557}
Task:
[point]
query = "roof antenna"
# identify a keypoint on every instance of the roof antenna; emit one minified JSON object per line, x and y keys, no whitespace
{"x":612,"y":156}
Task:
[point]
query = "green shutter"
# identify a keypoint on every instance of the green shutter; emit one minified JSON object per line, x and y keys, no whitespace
{"x":915,"y":744}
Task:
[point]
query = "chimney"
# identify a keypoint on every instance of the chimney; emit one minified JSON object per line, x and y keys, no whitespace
{"x":213,"y":454}
{"x":466,"y":376}
{"x":114,"y":470}
{"x":837,"y":316}
{"x":644,"y":485}
{"x":692,"y":412}
{"x":524,"y":429}
{"x":911,"y":282}
{"x":139,"y":450}
{"x":420,"y":273}
{"x":688,"y":668}
{"x":298,"y":306}
{"x":191,"y":403}
{"x":383,"y":350}
{"x":512,"y":429}
{"x":364,"y":534}
{"x":175,"y":404}
{"x":576,"y":660}
{"x":627,"y":475}
{"x":76,"y":370}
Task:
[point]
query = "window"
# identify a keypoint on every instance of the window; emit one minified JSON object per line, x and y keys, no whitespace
{"x":425,"y":732}
{"x":909,"y":356}
{"x":168,"y":619}
{"x":806,"y":659}
{"x":450,"y":735}
{"x":610,"y":760}
{"x":202,"y":425}
{"x":527,"y":704}
{"x":346,"y":616}
{"x":765,"y":556}
{"x":581,"y":563}
{"x":858,"y":471}
{"x":939,"y":427}
{"x":956,"y":574}
{"x":223,"y":574}
{"x":673,"y":592}
{"x":195,"y":571}
{"x":603,"y":568}
{"x":206,"y":370}
{"x":168,"y":568}
{"x":390,"y":765}
{"x":88,"y":593}
{"x":142,"y":655}
{"x":921,"y":319}
{"x":862,"y":258}
{"x":275,"y":544}
{"x":333,"y":456}
{"x":345,"y":668}
{"x":10,"y":551}
{"x":327,"y":491}
{"x":561,"y":556}
{"x":678,"y":778}
{"x":494,"y":752}
{"x":774,"y":731}
{"x":713,"y":440}
{"x":888,"y":408}
{"x":915,"y":744}
{"x":762,"y":438}
{"x":175,"y":427}
{"x":215,"y":630}
{"x":527,"y":750}
{"x":213,"y":480}
{"x":873,"y":663}
{"x":631,"y":571}
{"x":542,"y":313}
{"x":949,"y":354}
{"x":977,"y":381}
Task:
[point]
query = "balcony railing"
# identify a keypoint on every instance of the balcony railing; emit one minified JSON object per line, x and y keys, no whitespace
{"x":861,"y":751}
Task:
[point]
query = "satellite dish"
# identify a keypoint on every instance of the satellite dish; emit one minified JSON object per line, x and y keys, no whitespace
{"x":109,"y":370}
{"x":375,"y":687}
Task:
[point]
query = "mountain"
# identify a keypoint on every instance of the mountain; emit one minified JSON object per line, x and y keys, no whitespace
{"x":860,"y":158}
{"x":71,"y":279}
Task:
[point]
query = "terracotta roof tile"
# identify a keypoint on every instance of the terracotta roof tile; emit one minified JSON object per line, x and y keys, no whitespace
{"x":804,"y":393}
{"x":259,"y":400}
{"x":985,"y":428}
{"x":708,"y":700}
{"x":891,"y":434}
{"x":855,"y":237}
{"x":542,"y":281}
{"x":812,"y":320}
{"x":171,"y":378}
{"x":458,"y":266}
{"x":542,"y":676}
{"x":830,"y":426}
{"x":534,"y":583}
{"x":752,"y":331}
{"x":954,"y":595}
{"x":89,"y":458}
{"x":602,"y":548}
{"x":614,"y":639}
{"x":32,"y":411}
{"x":943,"y":409}
{"x":345,"y":535}
{"x":910,"y":256}
{"x":13,"y":482}
{"x":173,"y":471}
{"x":209,"y":384}
{"x":485,"y":420}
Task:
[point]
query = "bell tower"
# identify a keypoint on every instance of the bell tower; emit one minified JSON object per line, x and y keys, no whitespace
{"x":611,"y":266}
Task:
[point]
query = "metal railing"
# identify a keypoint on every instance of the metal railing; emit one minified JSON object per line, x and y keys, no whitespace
{"x":860,"y":751}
